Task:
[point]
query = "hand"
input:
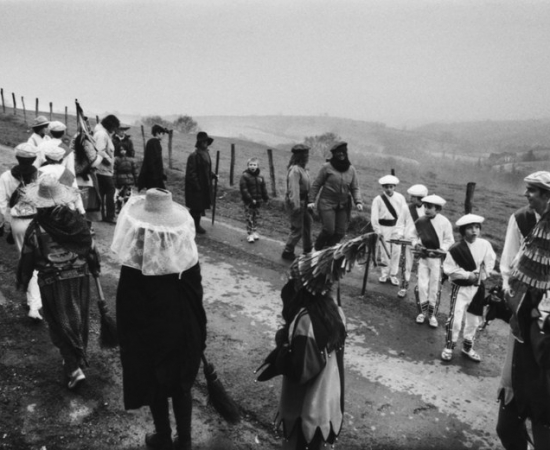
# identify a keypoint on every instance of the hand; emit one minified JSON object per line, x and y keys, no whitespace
{"x":254,"y":202}
{"x":359,"y":207}
{"x":472,"y":276}
{"x":311,"y":205}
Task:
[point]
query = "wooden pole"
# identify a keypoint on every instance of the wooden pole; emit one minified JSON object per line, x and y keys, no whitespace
{"x":393,"y":172}
{"x":14,"y":104}
{"x":170,"y":134}
{"x":96,"y":119}
{"x":272,"y":172}
{"x":66,"y":117}
{"x":470,"y":189}
{"x":143,"y":136}
{"x":215,"y":196}
{"x":366,"y":274}
{"x":3,"y":105}
{"x":232,"y":165}
{"x":24,"y":110}
{"x":51,"y":111}
{"x":36,"y":108}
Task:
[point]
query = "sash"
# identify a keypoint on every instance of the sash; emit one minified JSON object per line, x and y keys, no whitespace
{"x":414,"y":212}
{"x":390,"y":207}
{"x":526,"y":220}
{"x":463,"y":257}
{"x":426,"y":233}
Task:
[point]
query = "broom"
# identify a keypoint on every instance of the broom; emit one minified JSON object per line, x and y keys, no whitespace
{"x":217,"y":395}
{"x":108,"y":336}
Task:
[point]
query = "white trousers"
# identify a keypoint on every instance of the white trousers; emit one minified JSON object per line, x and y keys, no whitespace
{"x":409,"y":259}
{"x":391,"y":267}
{"x":429,"y":274}
{"x":18,"y":229}
{"x":461,"y":297}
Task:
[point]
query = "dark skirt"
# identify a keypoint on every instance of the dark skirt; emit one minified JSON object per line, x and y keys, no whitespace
{"x":162,"y":330}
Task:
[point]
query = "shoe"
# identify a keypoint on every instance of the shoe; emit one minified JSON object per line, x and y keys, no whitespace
{"x":447,"y":354}
{"x":433,"y":322}
{"x":256,"y":236}
{"x":159,"y":441}
{"x":420,"y":318}
{"x":200,"y":230}
{"x":250,"y":239}
{"x":394,"y":281}
{"x":182,"y":445}
{"x":474,"y":356}
{"x":383,"y":279}
{"x":289,"y":256}
{"x":402,"y":293}
{"x":34,"y":314}
{"x":76,"y":377}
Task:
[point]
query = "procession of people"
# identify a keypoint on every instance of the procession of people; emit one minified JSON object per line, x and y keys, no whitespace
{"x":47,"y":201}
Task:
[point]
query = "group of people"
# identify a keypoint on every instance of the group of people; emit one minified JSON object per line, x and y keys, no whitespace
{"x":160,"y":316}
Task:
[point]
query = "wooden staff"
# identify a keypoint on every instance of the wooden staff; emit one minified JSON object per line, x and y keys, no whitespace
{"x":215,"y":187}
{"x":272,"y":172}
{"x":232,"y":165}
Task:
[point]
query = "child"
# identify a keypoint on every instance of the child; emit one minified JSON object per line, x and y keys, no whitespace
{"x":432,"y":237}
{"x":253,"y":191}
{"x":125,"y":176}
{"x":467,"y":264}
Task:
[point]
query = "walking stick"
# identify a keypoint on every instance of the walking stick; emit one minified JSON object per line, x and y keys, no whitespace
{"x":108,"y":336}
{"x":218,"y":396}
{"x":215,"y":187}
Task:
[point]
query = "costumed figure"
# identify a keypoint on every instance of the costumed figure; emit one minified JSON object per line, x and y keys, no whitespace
{"x":59,"y":245}
{"x":414,"y":211}
{"x":432,"y":237}
{"x":160,"y":316}
{"x":296,"y":201}
{"x":337,"y":187}
{"x":387,"y":219}
{"x":152,"y":173}
{"x":468,"y":264}
{"x":198,"y":180}
{"x":524,"y":390}
{"x":253,"y":192}
{"x":17,"y":214}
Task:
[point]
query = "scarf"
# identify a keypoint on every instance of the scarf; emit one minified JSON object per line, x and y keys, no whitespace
{"x":66,"y":227}
{"x":341,"y":165}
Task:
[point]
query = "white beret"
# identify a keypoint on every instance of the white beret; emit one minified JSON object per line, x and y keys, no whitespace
{"x":389,"y":179}
{"x":539,"y":179}
{"x":418,"y":190}
{"x":26,"y":150}
{"x":434,"y":200}
{"x":52,"y":150}
{"x":57,"y":126}
{"x":469,"y":219}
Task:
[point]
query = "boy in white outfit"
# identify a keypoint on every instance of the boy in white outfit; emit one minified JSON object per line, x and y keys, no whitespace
{"x":387,"y":216}
{"x":414,"y":211}
{"x":468,"y":264}
{"x":432,"y":237}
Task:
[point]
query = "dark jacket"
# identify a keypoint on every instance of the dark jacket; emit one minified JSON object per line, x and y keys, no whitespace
{"x":152,"y":169}
{"x":198,"y":181}
{"x":125,"y":143}
{"x":124,"y":171}
{"x":253,"y":187}
{"x":335,"y":188}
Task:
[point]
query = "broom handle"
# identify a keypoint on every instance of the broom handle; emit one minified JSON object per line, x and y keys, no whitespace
{"x":99,"y":290}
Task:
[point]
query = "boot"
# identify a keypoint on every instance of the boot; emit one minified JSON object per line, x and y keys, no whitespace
{"x":183,"y":407}
{"x":197,"y":218}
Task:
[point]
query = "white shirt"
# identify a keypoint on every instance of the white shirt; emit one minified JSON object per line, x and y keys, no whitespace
{"x":8,"y":185}
{"x":36,"y":139}
{"x":443,"y":229}
{"x":482,"y":252}
{"x":379,"y":211}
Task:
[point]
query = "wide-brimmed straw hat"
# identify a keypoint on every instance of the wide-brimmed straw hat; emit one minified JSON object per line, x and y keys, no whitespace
{"x":48,"y":191}
{"x":40,"y":121}
{"x":203,"y":136}
{"x":158,"y":209}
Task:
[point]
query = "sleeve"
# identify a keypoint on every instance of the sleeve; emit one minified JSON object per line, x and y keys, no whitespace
{"x":116,"y":167}
{"x":401,"y":215}
{"x":408,"y":224}
{"x":512,"y":244}
{"x":245,"y":193}
{"x":453,"y":270}
{"x":4,"y":199}
{"x":354,"y":188}
{"x":192,"y":173}
{"x":489,"y":259}
{"x":102,"y":144}
{"x":375,"y":214}
{"x":294,"y":187}
{"x":265,"y":196}
{"x":318,"y":184}
{"x":448,"y":238}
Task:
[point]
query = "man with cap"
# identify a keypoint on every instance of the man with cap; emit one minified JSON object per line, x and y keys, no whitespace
{"x":15,"y":217}
{"x":524,"y":390}
{"x":296,"y":200}
{"x":414,"y":211}
{"x":39,"y":128}
{"x":198,"y":180}
{"x":468,"y":263}
{"x":387,"y":218}
{"x":123,"y":140}
{"x":432,"y":237}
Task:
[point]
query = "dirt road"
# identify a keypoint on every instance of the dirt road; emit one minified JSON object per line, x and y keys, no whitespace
{"x":398,"y":392}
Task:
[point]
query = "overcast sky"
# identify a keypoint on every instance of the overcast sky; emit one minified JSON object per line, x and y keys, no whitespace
{"x":397,"y":62}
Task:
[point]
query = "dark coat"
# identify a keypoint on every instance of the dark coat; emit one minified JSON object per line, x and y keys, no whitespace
{"x":124,"y":172}
{"x":198,"y":181}
{"x":162,"y":330}
{"x":253,"y":187}
{"x":152,"y":169}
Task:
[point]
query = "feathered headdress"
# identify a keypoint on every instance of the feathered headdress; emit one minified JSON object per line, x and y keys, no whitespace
{"x":317,"y":271}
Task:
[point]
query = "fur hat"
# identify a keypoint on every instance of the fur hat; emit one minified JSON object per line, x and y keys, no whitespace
{"x":48,"y":191}
{"x":389,"y":179}
{"x":203,"y":136}
{"x":418,"y":190}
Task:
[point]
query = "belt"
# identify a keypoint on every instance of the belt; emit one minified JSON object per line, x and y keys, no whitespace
{"x":387,"y":222}
{"x":47,"y":278}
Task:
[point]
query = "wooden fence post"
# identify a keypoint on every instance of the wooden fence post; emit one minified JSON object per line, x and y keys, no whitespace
{"x":170,"y":133}
{"x":51,"y":111}
{"x":24,"y":110}
{"x":393,"y":172}
{"x":232,"y":165}
{"x":272,"y":172}
{"x":3,"y":105}
{"x":66,"y":117}
{"x":143,"y":136}
{"x":96,"y":119}
{"x":36,"y":108}
{"x":470,"y":188}
{"x":14,"y":104}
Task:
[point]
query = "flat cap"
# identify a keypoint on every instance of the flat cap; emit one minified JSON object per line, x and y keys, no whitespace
{"x":418,"y":190}
{"x":434,"y":200}
{"x":468,"y":219}
{"x":52,"y":150}
{"x":299,"y":148}
{"x":540,"y":179}
{"x":389,"y":179}
{"x":342,"y":146}
{"x":57,"y":126}
{"x":26,"y":150}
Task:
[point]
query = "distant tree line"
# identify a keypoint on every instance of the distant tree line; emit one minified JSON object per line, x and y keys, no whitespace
{"x":183,"y":123}
{"x":322,"y":143}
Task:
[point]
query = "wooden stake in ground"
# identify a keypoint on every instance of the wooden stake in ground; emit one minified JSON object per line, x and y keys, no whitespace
{"x":66,"y":117}
{"x":470,"y":189}
{"x":143,"y":136}
{"x":36,"y":108}
{"x":170,"y":134}
{"x":3,"y":105}
{"x":24,"y":110}
{"x":232,"y":165}
{"x":51,"y":111}
{"x":14,"y":104}
{"x":272,"y":172}
{"x":215,"y":187}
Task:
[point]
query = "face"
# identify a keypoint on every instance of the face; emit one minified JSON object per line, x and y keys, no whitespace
{"x":471,"y":232}
{"x":203,"y":145}
{"x":416,"y":201}
{"x":537,"y":198}
{"x":340,"y":155}
{"x":429,"y":210}
{"x":122,"y":152}
{"x":253,"y":166}
{"x":121,"y":133}
{"x":160,"y":136}
{"x":389,"y":189}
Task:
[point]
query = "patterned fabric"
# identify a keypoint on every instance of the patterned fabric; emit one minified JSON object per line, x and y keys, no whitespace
{"x":252,"y":215}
